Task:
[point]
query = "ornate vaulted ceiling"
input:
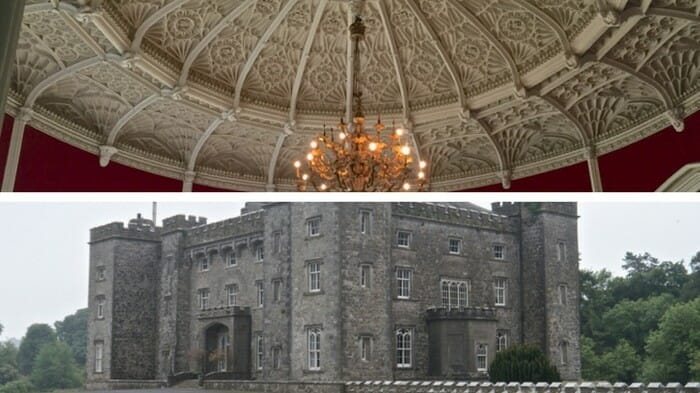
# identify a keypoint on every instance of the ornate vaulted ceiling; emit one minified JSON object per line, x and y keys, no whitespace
{"x":231,"y":91}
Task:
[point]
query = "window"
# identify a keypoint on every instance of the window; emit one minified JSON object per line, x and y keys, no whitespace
{"x":365,"y":348}
{"x":259,"y":253}
{"x":481,"y":357}
{"x":261,"y":293}
{"x":455,"y":246}
{"x":454,"y":293}
{"x":99,"y":351}
{"x":403,"y":239}
{"x":365,"y":277}
{"x":564,"y":352}
{"x":501,"y":340}
{"x":100,"y":273}
{"x":203,"y":298}
{"x":260,"y":358}
{"x":276,"y":355}
{"x":232,"y":295}
{"x":403,"y":348}
{"x":100,"y":307}
{"x":499,"y":251}
{"x":561,"y":251}
{"x":314,"y":277}
{"x":276,"y":290}
{"x":365,"y":221}
{"x":276,"y":242}
{"x":313,"y":227}
{"x":314,"y":349}
{"x":499,"y":286}
{"x":204,"y":264}
{"x":563,"y":289}
{"x":231,"y":259}
{"x":403,"y":283}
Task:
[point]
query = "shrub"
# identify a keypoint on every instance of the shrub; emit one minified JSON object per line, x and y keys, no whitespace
{"x":21,"y":385}
{"x":55,"y":368}
{"x":522,"y":363}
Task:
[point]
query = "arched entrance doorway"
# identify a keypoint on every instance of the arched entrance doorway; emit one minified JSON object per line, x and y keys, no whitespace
{"x":217,"y":344}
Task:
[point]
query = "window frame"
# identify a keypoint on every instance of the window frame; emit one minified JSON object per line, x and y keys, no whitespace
{"x":313,"y":276}
{"x":564,"y":352}
{"x":260,"y":352}
{"x":459,"y":246}
{"x":260,"y":293}
{"x":460,"y":284}
{"x":399,"y":280}
{"x":99,"y":357}
{"x":496,"y":249}
{"x":231,"y":258}
{"x":276,"y":354}
{"x":313,"y":223}
{"x":365,"y":348}
{"x":501,"y":340}
{"x":204,"y":264}
{"x":504,"y":289}
{"x":232,"y":293}
{"x":563,"y":294}
{"x":482,"y":356}
{"x":561,"y":251}
{"x":276,"y":289}
{"x":259,"y":253}
{"x":100,"y":273}
{"x":409,"y":235}
{"x":277,"y":242}
{"x":366,"y":222}
{"x":365,"y":279}
{"x":101,"y":304}
{"x":313,"y":349}
{"x":203,"y":298}
{"x":404,"y":352}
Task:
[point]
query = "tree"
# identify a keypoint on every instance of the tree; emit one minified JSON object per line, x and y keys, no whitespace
{"x":522,"y":363}
{"x":674,"y":349}
{"x":633,"y":321}
{"x":8,"y":363}
{"x":21,"y":385}
{"x":38,"y":335}
{"x":695,"y":262}
{"x":55,"y":368}
{"x":73,"y":331}
{"x":595,"y":299}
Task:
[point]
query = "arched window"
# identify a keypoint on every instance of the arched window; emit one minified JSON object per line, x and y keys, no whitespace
{"x":501,"y":340}
{"x":314,"y":349}
{"x":403,"y":347}
{"x":454,"y":293}
{"x":564,"y":352}
{"x":463,"y":294}
{"x":482,"y":357}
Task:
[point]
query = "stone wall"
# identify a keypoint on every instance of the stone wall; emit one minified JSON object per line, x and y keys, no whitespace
{"x":276,"y":387}
{"x":502,"y":387}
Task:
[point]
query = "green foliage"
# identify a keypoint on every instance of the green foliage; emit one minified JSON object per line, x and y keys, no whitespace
{"x":38,"y":335}
{"x":637,"y":327}
{"x":55,"y":368}
{"x":73,"y":331}
{"x":673,"y":350}
{"x":522,"y":363}
{"x":22,"y":385}
{"x":8,"y":363}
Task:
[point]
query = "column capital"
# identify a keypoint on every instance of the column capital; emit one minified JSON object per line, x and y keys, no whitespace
{"x":506,"y":177}
{"x":25,"y":115}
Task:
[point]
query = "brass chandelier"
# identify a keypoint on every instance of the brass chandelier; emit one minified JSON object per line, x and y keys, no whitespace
{"x":354,"y":159}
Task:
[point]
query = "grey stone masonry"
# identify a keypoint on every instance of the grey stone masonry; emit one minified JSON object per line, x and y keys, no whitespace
{"x":322,"y":293}
{"x":514,"y":387}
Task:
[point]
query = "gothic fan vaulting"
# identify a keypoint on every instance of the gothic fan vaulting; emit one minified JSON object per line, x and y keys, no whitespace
{"x":228,"y":93}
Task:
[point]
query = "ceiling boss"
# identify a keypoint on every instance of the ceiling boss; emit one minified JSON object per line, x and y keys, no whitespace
{"x":353,"y":158}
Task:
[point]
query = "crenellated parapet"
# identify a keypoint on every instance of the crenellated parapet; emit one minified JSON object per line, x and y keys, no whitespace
{"x":138,"y":229}
{"x":182,"y":222}
{"x":244,"y":225}
{"x":454,"y":215}
{"x":514,"y":387}
{"x":467,"y":313}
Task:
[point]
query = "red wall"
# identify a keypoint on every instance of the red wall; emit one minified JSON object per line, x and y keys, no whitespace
{"x":47,"y":164}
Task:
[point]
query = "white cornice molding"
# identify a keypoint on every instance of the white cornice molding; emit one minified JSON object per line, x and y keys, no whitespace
{"x":686,"y":179}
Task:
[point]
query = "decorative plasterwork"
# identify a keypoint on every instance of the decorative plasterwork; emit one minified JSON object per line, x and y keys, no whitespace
{"x":229,"y":92}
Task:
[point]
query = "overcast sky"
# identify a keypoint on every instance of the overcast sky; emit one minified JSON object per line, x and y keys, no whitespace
{"x":44,"y":268}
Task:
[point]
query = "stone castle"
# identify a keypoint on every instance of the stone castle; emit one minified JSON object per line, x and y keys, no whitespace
{"x":333,"y":292}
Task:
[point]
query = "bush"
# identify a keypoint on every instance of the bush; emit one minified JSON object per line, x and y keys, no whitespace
{"x":21,"y":385}
{"x":522,"y":363}
{"x":54,"y":368}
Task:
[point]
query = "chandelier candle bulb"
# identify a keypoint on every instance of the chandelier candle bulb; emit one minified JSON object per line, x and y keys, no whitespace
{"x":314,"y":144}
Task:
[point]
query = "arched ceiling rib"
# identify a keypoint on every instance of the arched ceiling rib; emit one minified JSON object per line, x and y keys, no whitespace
{"x":261,"y":77}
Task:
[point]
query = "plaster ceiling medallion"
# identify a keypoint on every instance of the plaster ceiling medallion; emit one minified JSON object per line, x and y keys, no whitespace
{"x":227,"y":92}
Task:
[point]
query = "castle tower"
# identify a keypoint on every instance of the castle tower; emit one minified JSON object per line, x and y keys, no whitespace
{"x":550,"y":281}
{"x":122,"y":302}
